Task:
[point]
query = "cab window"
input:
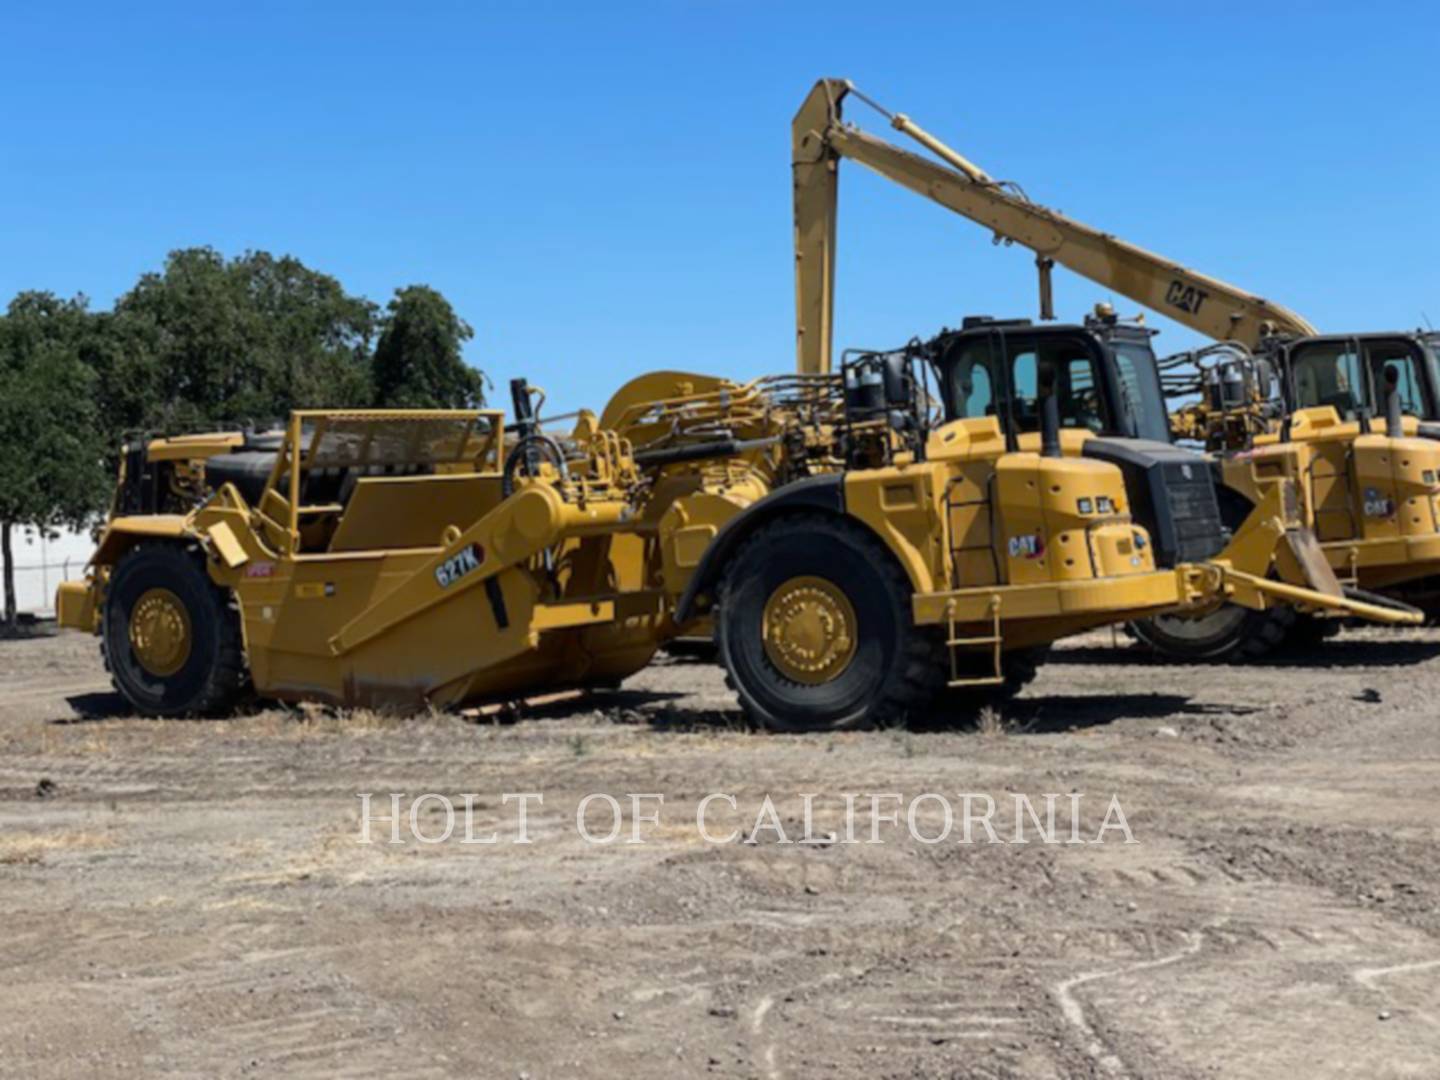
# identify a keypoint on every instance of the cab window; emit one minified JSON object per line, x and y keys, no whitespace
{"x":1403,"y":358}
{"x":1329,"y":373}
{"x":1071,"y":367}
{"x":1142,"y":396}
{"x":972,"y":381}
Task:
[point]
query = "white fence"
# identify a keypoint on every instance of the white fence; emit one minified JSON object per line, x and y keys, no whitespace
{"x":42,"y":562}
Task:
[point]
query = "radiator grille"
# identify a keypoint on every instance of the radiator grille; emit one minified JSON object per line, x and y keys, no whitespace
{"x":1199,"y":532}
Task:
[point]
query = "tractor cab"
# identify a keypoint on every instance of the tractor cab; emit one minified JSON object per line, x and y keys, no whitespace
{"x":1353,"y":374}
{"x":1101,"y":385}
{"x":1103,"y":376}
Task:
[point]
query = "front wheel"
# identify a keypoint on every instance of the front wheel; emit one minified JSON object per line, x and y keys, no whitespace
{"x":170,"y":638}
{"x":1229,"y":633}
{"x":815,"y":629}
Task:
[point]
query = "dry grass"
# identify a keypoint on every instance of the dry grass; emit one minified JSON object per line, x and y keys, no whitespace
{"x":335,"y":854}
{"x":88,"y":739}
{"x":905,"y":744}
{"x":310,"y":719}
{"x":991,"y":723}
{"x":30,"y":849}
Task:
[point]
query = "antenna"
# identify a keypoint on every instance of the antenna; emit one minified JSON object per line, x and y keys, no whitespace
{"x":1428,"y":325}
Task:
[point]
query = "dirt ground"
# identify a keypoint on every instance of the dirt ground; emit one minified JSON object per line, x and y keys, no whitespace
{"x":194,"y":899}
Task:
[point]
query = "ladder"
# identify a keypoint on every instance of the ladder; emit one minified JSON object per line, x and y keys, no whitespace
{"x":1342,"y":481}
{"x":994,"y":641}
{"x":987,"y":502}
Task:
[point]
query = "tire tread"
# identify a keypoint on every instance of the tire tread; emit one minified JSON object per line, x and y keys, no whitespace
{"x":228,"y":679}
{"x":921,"y":656}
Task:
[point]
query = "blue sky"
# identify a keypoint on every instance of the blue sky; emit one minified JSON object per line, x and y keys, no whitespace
{"x":603,"y":189}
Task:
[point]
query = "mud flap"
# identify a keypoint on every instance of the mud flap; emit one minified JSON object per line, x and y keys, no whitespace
{"x":1301,"y":562}
{"x":77,"y":605}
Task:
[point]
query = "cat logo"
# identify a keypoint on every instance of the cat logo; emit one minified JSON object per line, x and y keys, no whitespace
{"x":459,"y":564}
{"x":1377,"y":505}
{"x":1185,"y":297}
{"x":1026,"y":547}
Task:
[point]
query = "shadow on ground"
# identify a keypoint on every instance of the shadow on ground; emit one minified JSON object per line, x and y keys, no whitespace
{"x":666,"y":711}
{"x":1332,"y":654}
{"x":1057,"y":713}
{"x":93,"y":707}
{"x":1038,"y":716}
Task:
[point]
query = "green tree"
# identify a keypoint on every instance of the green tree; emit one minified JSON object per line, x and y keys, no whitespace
{"x":418,"y":358}
{"x":51,"y":446}
{"x":212,"y":342}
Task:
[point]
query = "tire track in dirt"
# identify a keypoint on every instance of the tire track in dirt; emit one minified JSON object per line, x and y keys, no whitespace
{"x":1074,"y":1012}
{"x":28,"y":691}
{"x":286,"y":1010}
{"x":219,"y":922}
{"x":1417,"y":997}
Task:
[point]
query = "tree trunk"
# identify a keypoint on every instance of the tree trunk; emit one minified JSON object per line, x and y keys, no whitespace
{"x":9,"y":559}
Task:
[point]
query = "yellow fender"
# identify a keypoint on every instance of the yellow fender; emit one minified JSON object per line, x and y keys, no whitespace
{"x":123,"y":533}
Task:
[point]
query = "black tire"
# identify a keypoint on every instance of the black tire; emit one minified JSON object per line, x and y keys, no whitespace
{"x":1019,"y":668}
{"x":961,"y":704}
{"x":1424,"y":594}
{"x":896,"y":667}
{"x":211,"y":678}
{"x":1311,"y":632}
{"x":1230,"y":633}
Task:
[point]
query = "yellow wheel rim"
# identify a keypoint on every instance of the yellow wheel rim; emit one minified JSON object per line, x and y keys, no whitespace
{"x":160,"y":632}
{"x":809,"y":630}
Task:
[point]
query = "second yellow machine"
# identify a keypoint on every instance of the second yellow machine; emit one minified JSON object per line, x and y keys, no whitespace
{"x":1371,"y":496}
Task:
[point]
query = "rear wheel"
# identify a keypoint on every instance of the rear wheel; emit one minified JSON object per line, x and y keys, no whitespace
{"x":1311,"y":631}
{"x":1228,"y":633}
{"x":170,"y":637}
{"x":815,"y":629}
{"x":1423,"y":594}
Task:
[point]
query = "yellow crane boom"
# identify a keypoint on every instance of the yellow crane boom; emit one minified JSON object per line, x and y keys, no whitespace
{"x":820,"y":138}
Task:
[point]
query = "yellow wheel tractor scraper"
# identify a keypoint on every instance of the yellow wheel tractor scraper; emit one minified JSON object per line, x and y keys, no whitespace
{"x":409,"y":558}
{"x":1372,"y":497}
{"x":945,"y":553}
{"x":1361,"y":414}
